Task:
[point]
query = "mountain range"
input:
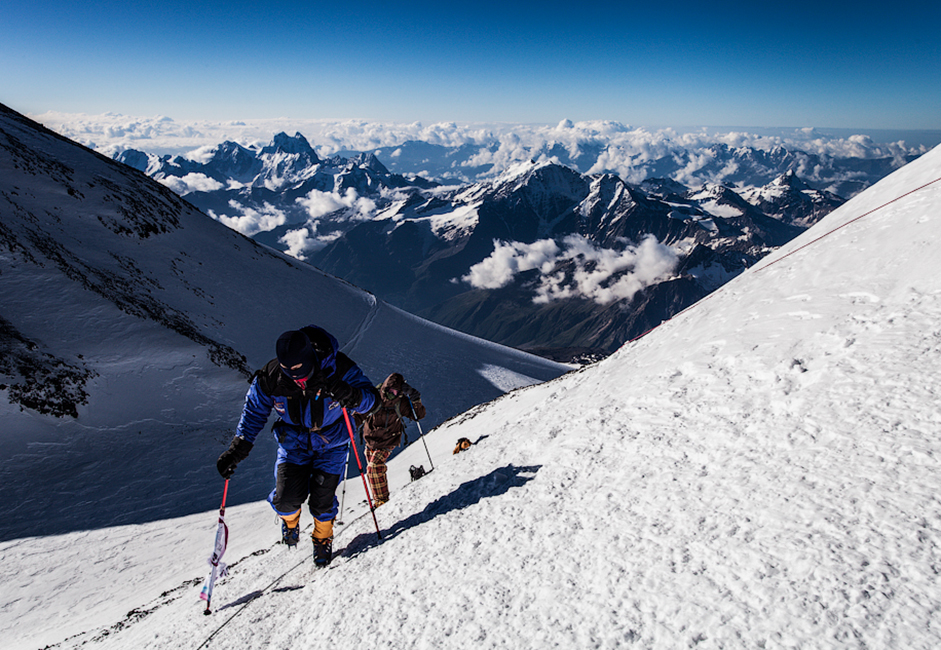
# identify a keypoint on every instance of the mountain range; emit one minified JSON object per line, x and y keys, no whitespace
{"x":416,"y":243}
{"x":623,"y":258}
{"x":734,"y":165}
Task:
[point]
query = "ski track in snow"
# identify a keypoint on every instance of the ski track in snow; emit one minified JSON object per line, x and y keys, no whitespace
{"x":364,"y":325}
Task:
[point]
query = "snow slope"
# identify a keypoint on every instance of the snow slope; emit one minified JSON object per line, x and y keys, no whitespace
{"x":109,"y":274}
{"x":759,"y":472}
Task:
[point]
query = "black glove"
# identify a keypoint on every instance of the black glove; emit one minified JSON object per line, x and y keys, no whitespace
{"x":348,"y":396}
{"x":412,"y":394}
{"x":235,"y":454}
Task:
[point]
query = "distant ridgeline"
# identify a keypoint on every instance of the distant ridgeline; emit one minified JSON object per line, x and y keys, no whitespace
{"x":543,"y":257}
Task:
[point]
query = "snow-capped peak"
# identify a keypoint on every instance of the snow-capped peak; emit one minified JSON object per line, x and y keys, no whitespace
{"x":296,"y":145}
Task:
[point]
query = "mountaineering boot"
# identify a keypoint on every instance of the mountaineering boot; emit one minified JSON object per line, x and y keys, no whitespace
{"x":323,"y":551}
{"x":323,"y":542}
{"x":291,"y":529}
{"x":290,"y":536}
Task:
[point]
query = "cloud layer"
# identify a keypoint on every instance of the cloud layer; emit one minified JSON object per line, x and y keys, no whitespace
{"x":603,"y":145}
{"x":349,"y":206}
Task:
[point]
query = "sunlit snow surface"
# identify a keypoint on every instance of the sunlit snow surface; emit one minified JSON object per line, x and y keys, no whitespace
{"x":760,"y":471}
{"x":505,"y":379}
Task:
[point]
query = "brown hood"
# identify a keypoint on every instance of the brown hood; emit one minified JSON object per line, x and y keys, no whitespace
{"x":395,"y":380}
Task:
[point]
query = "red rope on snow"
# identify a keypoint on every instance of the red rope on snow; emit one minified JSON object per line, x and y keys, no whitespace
{"x":865,"y":214}
{"x":799,"y":248}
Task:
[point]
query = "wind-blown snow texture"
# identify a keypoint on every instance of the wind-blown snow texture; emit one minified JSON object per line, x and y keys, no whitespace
{"x":760,"y":471}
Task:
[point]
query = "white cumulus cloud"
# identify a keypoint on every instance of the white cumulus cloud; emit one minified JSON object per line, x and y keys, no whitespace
{"x":605,"y":275}
{"x":509,"y":259}
{"x":250,"y":221}
{"x":299,"y":242}
{"x":600,"y":274}
{"x":319,"y":203}
{"x":192,"y":182}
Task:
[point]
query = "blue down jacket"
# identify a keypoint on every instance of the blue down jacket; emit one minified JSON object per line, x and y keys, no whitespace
{"x":308,"y":424}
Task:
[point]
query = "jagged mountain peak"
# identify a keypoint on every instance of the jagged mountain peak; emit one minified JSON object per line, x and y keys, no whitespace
{"x":790,"y":199}
{"x":145,"y":162}
{"x":520,"y":169}
{"x":369,"y":161}
{"x":230,"y":148}
{"x":612,"y":188}
{"x":232,"y":151}
{"x":790,"y":179}
{"x":547,"y":174}
{"x":528,"y":177}
{"x":713,"y":191}
{"x":294,"y":145}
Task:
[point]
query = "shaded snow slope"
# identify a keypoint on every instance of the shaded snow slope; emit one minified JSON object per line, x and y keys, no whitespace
{"x":760,"y":471}
{"x":152,"y":316}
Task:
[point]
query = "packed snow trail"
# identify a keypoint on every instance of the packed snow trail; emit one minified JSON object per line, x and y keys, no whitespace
{"x":245,"y":601}
{"x":369,"y":318}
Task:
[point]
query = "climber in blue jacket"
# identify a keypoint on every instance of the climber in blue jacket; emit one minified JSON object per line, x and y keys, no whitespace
{"x":308,"y":384}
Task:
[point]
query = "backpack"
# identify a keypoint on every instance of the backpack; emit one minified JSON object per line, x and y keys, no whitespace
{"x":417,"y":472}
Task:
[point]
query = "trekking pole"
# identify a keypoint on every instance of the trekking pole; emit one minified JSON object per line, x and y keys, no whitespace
{"x":372,"y":509}
{"x":225,"y":491}
{"x":343,"y":497}
{"x":218,"y":568}
{"x":420,"y":434}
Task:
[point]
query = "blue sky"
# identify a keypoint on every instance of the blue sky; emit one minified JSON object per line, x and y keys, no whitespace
{"x":825,"y":64}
